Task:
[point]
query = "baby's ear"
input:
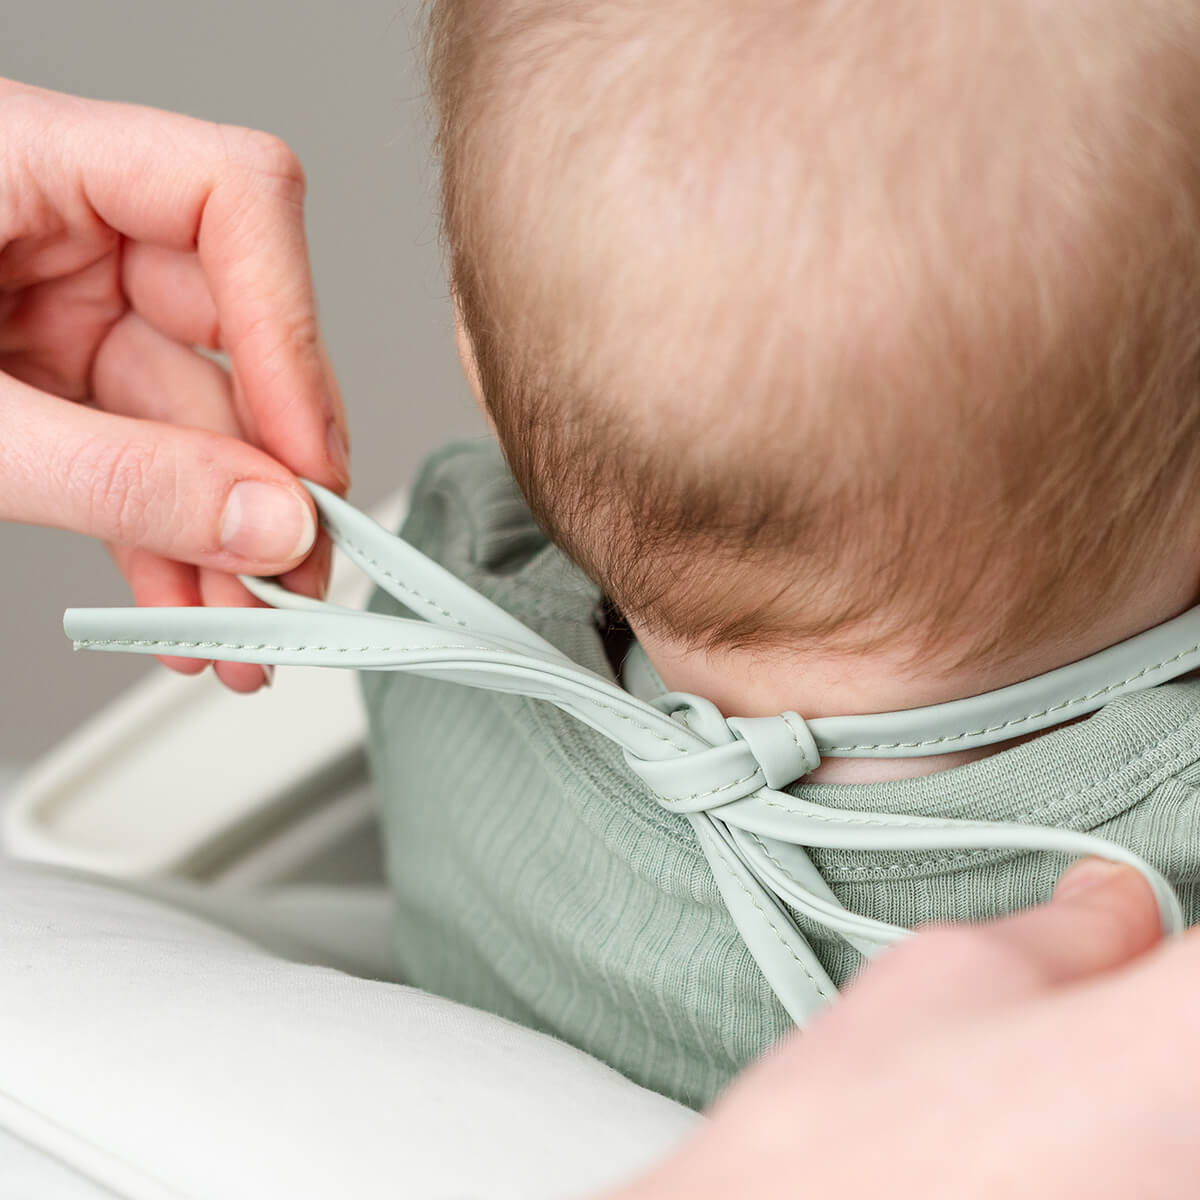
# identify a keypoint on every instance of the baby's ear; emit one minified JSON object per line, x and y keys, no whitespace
{"x":466,"y":355}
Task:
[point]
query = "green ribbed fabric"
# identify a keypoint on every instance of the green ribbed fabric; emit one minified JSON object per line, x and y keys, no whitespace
{"x":535,"y":877}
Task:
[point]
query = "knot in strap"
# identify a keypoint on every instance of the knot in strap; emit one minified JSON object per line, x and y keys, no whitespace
{"x":742,"y":756}
{"x":782,"y":746}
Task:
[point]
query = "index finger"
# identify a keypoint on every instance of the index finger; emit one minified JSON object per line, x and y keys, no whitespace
{"x":236,"y":197}
{"x":252,"y":246}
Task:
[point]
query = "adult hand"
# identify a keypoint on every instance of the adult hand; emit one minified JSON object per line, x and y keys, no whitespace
{"x":1042,"y":1056}
{"x":129,"y":239}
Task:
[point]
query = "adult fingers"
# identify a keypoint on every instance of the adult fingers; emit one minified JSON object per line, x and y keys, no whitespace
{"x":1100,"y":917}
{"x":142,"y":372}
{"x":236,"y":198}
{"x":158,"y":582}
{"x":186,"y":494}
{"x":167,"y":288}
{"x":139,"y":372}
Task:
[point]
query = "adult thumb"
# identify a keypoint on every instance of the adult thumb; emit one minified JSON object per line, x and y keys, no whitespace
{"x":1100,"y":918}
{"x":1102,"y":914}
{"x":186,"y":494}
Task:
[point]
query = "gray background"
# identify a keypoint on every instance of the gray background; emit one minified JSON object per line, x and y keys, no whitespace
{"x":343,"y":85}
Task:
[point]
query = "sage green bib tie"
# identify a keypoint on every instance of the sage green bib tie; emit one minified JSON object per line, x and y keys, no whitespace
{"x":720,"y":774}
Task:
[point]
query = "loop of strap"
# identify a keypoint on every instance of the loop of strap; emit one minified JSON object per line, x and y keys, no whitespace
{"x":783,"y":746}
{"x":722,"y":775}
{"x":742,"y":755}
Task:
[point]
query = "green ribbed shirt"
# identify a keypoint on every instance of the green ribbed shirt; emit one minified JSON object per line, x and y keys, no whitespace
{"x":535,"y":877}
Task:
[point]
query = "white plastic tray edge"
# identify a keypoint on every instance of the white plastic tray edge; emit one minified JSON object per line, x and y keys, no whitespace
{"x":317,"y":734}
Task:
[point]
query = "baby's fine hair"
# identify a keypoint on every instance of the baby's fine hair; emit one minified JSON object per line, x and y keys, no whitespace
{"x":825,"y":322}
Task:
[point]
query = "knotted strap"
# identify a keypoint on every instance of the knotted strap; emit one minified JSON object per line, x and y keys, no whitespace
{"x":722,"y":775}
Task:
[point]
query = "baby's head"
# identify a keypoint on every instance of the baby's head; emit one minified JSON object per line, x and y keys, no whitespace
{"x":837,"y":324}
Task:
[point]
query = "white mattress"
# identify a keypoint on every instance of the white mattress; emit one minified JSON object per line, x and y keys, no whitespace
{"x":27,"y":1173}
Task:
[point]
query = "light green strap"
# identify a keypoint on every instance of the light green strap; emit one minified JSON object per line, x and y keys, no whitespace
{"x":723,"y":776}
{"x":1156,"y":656}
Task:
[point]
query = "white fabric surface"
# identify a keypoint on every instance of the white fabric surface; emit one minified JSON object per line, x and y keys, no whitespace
{"x":27,"y":1173}
{"x":348,"y":927}
{"x":163,"y":1056}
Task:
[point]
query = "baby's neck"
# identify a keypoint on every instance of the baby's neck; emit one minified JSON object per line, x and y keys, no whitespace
{"x":750,"y":684}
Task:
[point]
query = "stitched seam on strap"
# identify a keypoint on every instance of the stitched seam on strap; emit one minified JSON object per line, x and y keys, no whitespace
{"x":725,"y":787}
{"x":172,"y":644}
{"x":97,"y":643}
{"x":719,"y":846}
{"x":404,"y":587}
{"x":853,"y":817}
{"x":616,"y":712}
{"x":877,"y":939}
{"x":779,"y":866}
{"x":956,"y":737}
{"x":438,"y":608}
{"x":786,"y":718}
{"x":568,"y":740}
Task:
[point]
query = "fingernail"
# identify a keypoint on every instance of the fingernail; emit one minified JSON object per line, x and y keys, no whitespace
{"x":339,"y":455}
{"x":268,"y":674}
{"x":1085,"y":875}
{"x":267,"y":523}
